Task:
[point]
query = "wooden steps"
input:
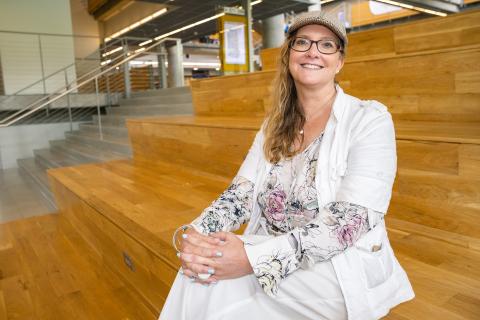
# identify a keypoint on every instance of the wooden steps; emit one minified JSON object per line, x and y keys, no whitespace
{"x":46,"y":254}
{"x":212,"y":144}
{"x":422,"y":71}
{"x":45,"y":274}
{"x":182,"y":163}
{"x":126,"y":212}
{"x":423,"y":36}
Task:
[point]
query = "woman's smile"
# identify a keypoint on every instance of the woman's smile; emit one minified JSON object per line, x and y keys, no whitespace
{"x":311,"y":66}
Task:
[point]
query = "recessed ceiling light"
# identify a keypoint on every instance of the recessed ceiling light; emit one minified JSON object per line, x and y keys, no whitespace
{"x":408,"y":6}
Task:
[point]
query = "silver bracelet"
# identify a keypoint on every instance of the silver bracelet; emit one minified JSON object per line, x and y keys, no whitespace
{"x":183,"y":228}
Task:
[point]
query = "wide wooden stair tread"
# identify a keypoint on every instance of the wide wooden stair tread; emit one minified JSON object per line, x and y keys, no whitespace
{"x":205,"y":121}
{"x":149,"y":200}
{"x":455,"y":132}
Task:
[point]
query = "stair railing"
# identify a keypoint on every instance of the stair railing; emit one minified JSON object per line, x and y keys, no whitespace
{"x":78,"y":83}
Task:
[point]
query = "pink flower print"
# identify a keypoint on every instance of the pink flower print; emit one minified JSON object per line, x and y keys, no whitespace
{"x":276,"y":205}
{"x":347,"y":233}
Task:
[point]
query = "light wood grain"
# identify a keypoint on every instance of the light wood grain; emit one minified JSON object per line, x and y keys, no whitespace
{"x":50,"y":276}
{"x":235,"y":95}
{"x":434,"y":33}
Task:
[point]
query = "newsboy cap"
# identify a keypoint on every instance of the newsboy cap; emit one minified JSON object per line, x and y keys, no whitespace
{"x":322,"y":18}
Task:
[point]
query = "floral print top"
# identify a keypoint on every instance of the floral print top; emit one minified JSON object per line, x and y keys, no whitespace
{"x":288,"y":198}
{"x":303,"y":233}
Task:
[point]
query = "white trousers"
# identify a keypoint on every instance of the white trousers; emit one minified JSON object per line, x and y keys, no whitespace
{"x":304,"y":294}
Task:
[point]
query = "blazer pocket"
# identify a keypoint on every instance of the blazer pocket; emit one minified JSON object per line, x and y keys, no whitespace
{"x":375,"y":257}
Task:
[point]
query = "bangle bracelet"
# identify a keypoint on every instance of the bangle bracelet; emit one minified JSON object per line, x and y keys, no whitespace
{"x":183,"y":228}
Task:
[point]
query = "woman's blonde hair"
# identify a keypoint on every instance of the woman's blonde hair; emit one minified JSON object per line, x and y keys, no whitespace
{"x":286,"y":117}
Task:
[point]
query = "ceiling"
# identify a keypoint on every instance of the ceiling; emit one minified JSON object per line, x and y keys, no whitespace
{"x":184,"y":12}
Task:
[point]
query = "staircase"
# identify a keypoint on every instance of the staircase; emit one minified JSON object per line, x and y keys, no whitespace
{"x":86,"y":145}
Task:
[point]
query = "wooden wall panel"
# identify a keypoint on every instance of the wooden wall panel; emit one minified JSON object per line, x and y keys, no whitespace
{"x":469,"y":161}
{"x":215,"y":150}
{"x":467,"y":82}
{"x":427,"y":156}
{"x":373,"y":43}
{"x":456,"y":30}
{"x":240,"y":95}
{"x":436,"y":33}
{"x":439,"y":86}
{"x":269,"y":58}
{"x":150,"y":277}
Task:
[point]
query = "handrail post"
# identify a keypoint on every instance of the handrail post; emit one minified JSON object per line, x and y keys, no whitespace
{"x":35,"y":106}
{"x":109,"y":98}
{"x":42,"y":67}
{"x":126,"y":72}
{"x":98,"y":109}
{"x":67,"y":86}
{"x":162,"y":71}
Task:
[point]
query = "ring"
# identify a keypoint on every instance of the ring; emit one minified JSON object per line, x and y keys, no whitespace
{"x":204,"y":276}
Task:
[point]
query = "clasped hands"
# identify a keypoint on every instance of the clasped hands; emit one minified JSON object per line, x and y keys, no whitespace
{"x":221,"y":254}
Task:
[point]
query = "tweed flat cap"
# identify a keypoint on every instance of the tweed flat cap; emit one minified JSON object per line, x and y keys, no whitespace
{"x":321,"y":18}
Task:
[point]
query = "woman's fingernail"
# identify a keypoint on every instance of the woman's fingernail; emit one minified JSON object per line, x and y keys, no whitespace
{"x":178,"y":254}
{"x":214,"y":282}
{"x":211,"y":271}
{"x":184,"y":236}
{"x":219,"y":254}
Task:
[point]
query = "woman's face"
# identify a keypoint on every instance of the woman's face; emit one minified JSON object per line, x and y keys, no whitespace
{"x":312,"y":68}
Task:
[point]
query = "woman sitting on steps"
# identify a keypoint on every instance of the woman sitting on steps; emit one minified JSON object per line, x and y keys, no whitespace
{"x":314,"y":189}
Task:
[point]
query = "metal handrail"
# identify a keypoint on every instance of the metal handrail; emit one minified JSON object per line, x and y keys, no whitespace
{"x":78,"y":85}
{"x":58,"y":71}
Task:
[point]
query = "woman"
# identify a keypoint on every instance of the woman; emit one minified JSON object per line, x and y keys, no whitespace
{"x":314,"y":188}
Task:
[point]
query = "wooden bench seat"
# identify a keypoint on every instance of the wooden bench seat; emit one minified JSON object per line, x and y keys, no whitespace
{"x":127,"y":211}
{"x":437,"y":162}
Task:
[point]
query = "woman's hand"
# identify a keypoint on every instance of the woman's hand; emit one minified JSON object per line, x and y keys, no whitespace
{"x":201,"y":246}
{"x":222,"y":255}
{"x":234,"y":263}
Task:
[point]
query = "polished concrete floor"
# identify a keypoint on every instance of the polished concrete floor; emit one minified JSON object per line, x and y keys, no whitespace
{"x":20,"y":197}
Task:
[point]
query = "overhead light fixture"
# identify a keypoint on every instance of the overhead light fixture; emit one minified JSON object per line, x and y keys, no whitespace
{"x":105,"y":62}
{"x":112,"y":51}
{"x":408,"y":6}
{"x":190,"y":26}
{"x":145,"y":42}
{"x":182,"y":29}
{"x":136,"y":24}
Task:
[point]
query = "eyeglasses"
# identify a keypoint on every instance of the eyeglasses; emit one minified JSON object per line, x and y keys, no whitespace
{"x":323,"y":46}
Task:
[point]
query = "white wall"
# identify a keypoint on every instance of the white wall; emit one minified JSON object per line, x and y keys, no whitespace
{"x":84,"y":25}
{"x":18,"y":142}
{"x":20,"y":23}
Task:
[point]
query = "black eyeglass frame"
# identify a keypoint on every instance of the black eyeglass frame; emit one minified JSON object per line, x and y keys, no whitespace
{"x":339,"y":46}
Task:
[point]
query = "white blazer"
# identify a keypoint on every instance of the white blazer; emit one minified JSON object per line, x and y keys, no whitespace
{"x":357,"y":163}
